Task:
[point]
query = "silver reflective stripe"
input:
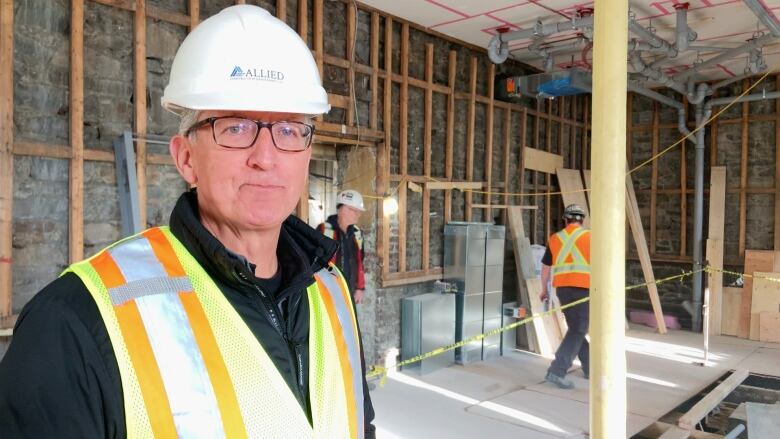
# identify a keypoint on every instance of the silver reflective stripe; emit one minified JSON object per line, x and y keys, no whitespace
{"x":569,"y":268}
{"x":184,"y":375}
{"x":350,"y":336}
{"x":147,"y":287}
{"x":568,"y":244}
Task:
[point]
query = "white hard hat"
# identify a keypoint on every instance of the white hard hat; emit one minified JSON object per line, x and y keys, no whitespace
{"x":351,"y":198}
{"x":245,"y":59}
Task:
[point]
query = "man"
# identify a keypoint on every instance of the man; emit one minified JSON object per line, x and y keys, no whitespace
{"x":568,"y":258}
{"x":202,"y":329}
{"x":342,"y":228}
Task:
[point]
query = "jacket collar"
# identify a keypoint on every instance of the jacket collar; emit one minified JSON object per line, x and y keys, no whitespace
{"x":333,"y":220}
{"x":302,"y":251}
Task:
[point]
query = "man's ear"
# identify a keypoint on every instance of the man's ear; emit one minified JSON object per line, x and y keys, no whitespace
{"x":181,"y":151}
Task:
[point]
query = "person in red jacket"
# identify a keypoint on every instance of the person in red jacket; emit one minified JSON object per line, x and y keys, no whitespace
{"x":342,"y":228}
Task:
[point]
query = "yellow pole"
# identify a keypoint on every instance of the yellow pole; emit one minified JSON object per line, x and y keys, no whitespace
{"x":608,"y":156}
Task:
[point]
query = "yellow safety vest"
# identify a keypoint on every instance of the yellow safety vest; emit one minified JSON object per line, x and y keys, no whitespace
{"x":570,"y":250}
{"x":190,"y":366}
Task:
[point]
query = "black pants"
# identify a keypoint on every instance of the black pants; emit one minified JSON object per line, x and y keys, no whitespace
{"x":574,"y":343}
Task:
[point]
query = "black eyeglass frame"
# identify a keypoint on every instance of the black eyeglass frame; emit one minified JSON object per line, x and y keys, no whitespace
{"x":260,"y":125}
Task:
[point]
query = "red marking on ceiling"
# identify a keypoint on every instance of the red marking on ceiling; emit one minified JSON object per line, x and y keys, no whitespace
{"x":445,"y":7}
{"x":769,"y":11}
{"x":501,"y":20}
{"x":728,"y":72}
{"x":706,"y":2}
{"x":467,"y":17}
{"x":577,"y":7}
{"x":660,"y":8}
{"x":707,"y":5}
{"x":554,"y":11}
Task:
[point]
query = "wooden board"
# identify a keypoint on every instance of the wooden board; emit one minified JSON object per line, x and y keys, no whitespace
{"x":755,"y":260}
{"x":542,"y":161}
{"x":638,"y":232}
{"x":715,"y":248}
{"x":545,"y":331}
{"x":769,"y":327}
{"x":705,"y":405}
{"x":729,"y":310}
{"x":765,"y":298}
{"x":570,"y":182}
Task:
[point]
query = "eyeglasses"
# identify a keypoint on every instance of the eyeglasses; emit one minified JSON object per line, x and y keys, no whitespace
{"x":240,"y":133}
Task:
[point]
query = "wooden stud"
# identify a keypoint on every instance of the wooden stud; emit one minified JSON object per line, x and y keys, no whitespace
{"x":573,"y":134}
{"x":319,"y":48}
{"x":448,"y":155}
{"x":715,"y":235}
{"x":548,"y":177}
{"x":351,"y":31}
{"x":507,"y":145}
{"x":373,"y":107}
{"x":153,"y":12}
{"x":777,"y":167}
{"x":383,"y":153}
{"x":303,"y":20}
{"x":139,"y":67}
{"x":743,"y":174}
{"x":281,"y":10}
{"x":654,"y":180}
{"x":403,"y":125}
{"x":521,"y":160}
{"x":488,"y":214}
{"x":586,"y":125}
{"x":6,"y":153}
{"x":194,"y":8}
{"x":692,"y":417}
{"x":428,"y":126}
{"x":76,"y":208}
{"x":534,"y":218}
{"x":240,"y":2}
{"x":470,"y":132}
{"x":714,"y":137}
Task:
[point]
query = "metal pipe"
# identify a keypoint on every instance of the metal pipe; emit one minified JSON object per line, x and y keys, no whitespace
{"x":608,"y":299}
{"x":713,"y":48}
{"x":698,"y":216}
{"x":666,"y":100}
{"x":731,"y":53}
{"x":682,"y":125}
{"x":681,"y":31}
{"x":735,"y":432}
{"x":498,"y":49}
{"x":655,"y":74}
{"x":763,"y":15}
{"x":653,"y":39}
{"x":701,"y":92}
{"x":748,"y":98}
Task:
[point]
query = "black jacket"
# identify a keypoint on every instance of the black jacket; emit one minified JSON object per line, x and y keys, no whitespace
{"x":59,"y":377}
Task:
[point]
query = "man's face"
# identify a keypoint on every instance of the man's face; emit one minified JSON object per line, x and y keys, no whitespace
{"x":348,"y":214}
{"x":243,"y":189}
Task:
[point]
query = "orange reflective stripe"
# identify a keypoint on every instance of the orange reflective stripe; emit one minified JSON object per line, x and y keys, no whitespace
{"x":346,"y":367}
{"x":232,"y":421}
{"x":164,"y":252}
{"x":140,"y":351}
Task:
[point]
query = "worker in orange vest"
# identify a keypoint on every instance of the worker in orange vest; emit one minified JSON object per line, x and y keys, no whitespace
{"x":568,"y":259}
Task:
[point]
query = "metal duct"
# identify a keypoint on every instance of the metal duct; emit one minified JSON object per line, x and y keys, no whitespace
{"x":763,"y":15}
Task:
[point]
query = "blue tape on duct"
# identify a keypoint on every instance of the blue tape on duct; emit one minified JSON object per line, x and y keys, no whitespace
{"x":560,"y":87}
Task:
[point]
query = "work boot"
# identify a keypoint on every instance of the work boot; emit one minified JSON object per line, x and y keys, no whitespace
{"x":586,"y":374}
{"x":561,"y":382}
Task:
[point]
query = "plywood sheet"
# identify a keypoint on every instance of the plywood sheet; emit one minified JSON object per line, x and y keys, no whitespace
{"x":755,"y":260}
{"x":714,"y":254}
{"x":765,"y":298}
{"x":769,"y":327}
{"x":729,"y":309}
{"x":542,"y":161}
{"x":573,"y":191}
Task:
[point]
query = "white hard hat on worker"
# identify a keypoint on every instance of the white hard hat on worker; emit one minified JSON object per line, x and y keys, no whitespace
{"x":242,"y":70}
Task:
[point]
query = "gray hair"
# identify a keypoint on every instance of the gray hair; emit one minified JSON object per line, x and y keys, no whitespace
{"x":188,"y":118}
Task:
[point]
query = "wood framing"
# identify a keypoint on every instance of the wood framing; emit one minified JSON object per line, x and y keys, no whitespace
{"x":755,"y":260}
{"x":715,"y":238}
{"x":383,"y":154}
{"x":319,"y":45}
{"x":777,"y":167}
{"x":654,"y":180}
{"x":139,"y":101}
{"x":76,"y":180}
{"x":743,"y":174}
{"x":403,"y":153}
{"x":692,"y":417}
{"x":542,"y":161}
{"x":487,"y":215}
{"x":194,"y":8}
{"x":470,"y":131}
{"x":6,"y":154}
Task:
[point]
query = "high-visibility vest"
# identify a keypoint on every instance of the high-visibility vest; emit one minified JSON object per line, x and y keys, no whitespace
{"x":190,"y":366}
{"x":570,"y":250}
{"x":331,"y":233}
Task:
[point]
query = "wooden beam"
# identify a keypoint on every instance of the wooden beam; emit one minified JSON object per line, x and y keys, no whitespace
{"x":139,"y":101}
{"x":319,"y":50}
{"x":427,"y":128}
{"x":470,"y":132}
{"x":715,"y":237}
{"x":755,"y":260}
{"x":373,"y":107}
{"x":281,"y":10}
{"x":521,"y":155}
{"x":654,"y":180}
{"x":152,"y":12}
{"x":488,"y":214}
{"x":194,"y":8}
{"x":303,"y":20}
{"x":542,"y":161}
{"x":449,"y":185}
{"x":448,"y":155}
{"x":743,"y":173}
{"x":586,"y":126}
{"x":383,"y":153}
{"x":777,"y":167}
{"x":572,"y":188}
{"x":6,"y":152}
{"x":403,"y":117}
{"x":504,"y":206}
{"x":683,"y":196}
{"x":547,"y":177}
{"x":76,"y":180}
{"x":535,"y":180}
{"x":411,"y":277}
{"x":351,"y":32}
{"x":689,"y":420}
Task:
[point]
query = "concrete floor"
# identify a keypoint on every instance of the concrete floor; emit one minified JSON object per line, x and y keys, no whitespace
{"x":508,"y":397}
